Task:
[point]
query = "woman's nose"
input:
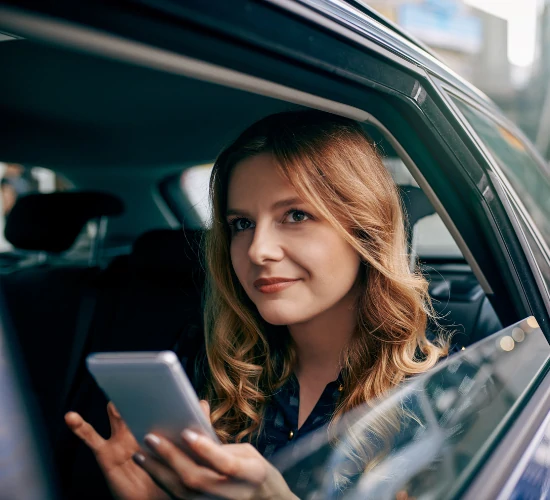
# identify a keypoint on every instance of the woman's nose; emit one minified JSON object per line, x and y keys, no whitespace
{"x":265,"y":245}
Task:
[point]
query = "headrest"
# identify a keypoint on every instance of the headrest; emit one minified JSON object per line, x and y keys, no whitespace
{"x":166,"y":252}
{"x":415,"y":203}
{"x":52,"y":222}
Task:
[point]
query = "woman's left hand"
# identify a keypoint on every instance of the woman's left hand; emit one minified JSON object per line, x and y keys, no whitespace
{"x":232,"y":471}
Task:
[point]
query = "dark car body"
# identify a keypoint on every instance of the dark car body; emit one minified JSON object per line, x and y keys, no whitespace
{"x":124,"y":96}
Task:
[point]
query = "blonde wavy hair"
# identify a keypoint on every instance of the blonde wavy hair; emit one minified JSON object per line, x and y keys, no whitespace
{"x":334,"y":166}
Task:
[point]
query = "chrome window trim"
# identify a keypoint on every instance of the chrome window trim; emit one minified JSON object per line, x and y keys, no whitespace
{"x":392,"y":26}
{"x":88,"y":40}
{"x":307,"y":10}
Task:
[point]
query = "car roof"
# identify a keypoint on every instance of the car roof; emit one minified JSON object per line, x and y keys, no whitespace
{"x":355,"y":15}
{"x":352,"y":14}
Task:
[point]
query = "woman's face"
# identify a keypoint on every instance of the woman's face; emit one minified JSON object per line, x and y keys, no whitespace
{"x":292,"y":264}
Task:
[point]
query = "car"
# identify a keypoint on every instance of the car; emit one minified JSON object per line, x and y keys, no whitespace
{"x":125,"y":104}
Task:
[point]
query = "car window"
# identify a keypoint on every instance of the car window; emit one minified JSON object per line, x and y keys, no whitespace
{"x":522,"y":171}
{"x":430,"y":436}
{"x":541,"y":257}
{"x":432,"y":239}
{"x":194,"y":184}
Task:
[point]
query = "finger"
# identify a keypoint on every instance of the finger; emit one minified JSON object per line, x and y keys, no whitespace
{"x":205,"y":407}
{"x":403,"y":495}
{"x":163,"y":476}
{"x":196,"y":478}
{"x":237,"y":461}
{"x":115,"y":420}
{"x":84,"y":431}
{"x":193,"y":476}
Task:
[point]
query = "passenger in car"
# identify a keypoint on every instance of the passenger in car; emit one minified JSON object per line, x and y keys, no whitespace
{"x":311,"y":309}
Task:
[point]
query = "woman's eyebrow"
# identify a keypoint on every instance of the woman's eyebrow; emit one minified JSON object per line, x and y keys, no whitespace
{"x":278,"y":204}
{"x":286,"y":203}
{"x":235,"y":211}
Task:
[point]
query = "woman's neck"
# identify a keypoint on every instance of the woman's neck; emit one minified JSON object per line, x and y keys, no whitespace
{"x":319,"y":342}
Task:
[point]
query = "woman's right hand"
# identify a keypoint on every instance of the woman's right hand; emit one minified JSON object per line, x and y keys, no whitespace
{"x":126,"y":479}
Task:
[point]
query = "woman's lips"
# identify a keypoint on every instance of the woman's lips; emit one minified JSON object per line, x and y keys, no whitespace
{"x":276,"y":287}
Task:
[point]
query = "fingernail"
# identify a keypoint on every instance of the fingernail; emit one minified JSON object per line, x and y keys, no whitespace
{"x":152,"y":440}
{"x":189,"y":435}
{"x":138,"y":458}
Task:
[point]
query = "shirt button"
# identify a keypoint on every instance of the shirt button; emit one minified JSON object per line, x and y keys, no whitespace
{"x":290,"y":434}
{"x":340,"y":388}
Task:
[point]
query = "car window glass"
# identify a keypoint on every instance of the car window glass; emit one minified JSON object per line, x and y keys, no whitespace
{"x":430,"y":436}
{"x":194,"y":184}
{"x":522,"y":171}
{"x":432,"y":239}
{"x":431,"y":236}
{"x":540,"y":256}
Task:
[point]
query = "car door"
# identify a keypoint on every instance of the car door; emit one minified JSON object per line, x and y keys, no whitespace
{"x":519,"y":465}
{"x":433,"y":435}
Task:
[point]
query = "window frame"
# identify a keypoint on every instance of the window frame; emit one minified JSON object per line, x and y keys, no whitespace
{"x":511,"y":201}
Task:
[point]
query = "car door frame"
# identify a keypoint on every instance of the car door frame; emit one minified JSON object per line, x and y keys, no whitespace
{"x":510,"y":199}
{"x":497,"y":471}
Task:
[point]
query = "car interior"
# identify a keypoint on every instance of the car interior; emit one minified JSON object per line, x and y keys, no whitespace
{"x":124,"y":138}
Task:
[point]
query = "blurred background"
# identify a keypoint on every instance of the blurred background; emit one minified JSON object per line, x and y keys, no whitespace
{"x":501,"y":46}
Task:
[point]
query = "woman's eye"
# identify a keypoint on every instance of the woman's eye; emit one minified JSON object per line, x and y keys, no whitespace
{"x":240,"y":224}
{"x":294,"y":216}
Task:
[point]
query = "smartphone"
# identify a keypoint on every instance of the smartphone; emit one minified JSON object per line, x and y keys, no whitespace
{"x":152,"y":393}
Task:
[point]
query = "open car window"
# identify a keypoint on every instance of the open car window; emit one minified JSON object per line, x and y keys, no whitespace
{"x":432,"y":239}
{"x":431,"y":435}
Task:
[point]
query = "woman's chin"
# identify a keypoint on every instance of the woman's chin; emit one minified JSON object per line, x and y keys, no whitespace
{"x":279,"y":317}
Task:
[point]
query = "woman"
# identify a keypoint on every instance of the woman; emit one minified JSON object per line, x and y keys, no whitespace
{"x":311,"y":309}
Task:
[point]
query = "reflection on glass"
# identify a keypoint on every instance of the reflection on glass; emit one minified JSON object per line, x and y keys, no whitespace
{"x":529,"y":180}
{"x":427,"y":437}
